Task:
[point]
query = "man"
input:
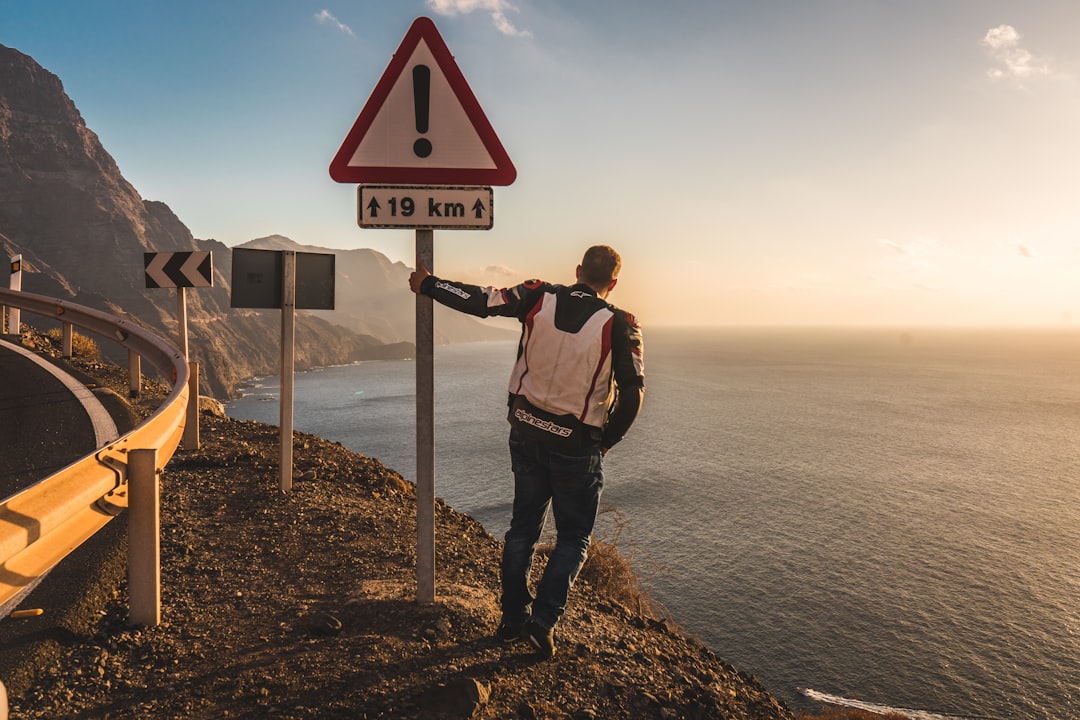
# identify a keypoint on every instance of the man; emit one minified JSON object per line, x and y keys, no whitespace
{"x":575,"y":389}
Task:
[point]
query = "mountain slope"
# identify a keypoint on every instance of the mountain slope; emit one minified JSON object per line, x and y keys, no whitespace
{"x":82,"y":229}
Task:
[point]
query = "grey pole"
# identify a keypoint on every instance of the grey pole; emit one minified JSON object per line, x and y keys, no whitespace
{"x":288,"y":362}
{"x":181,"y":321}
{"x":191,"y":428}
{"x":425,"y":428}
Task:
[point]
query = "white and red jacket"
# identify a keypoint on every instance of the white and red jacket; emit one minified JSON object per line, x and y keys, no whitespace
{"x":580,"y":360}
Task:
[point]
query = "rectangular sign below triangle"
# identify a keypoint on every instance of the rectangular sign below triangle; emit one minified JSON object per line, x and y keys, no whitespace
{"x":422,"y":125}
{"x":436,"y":206}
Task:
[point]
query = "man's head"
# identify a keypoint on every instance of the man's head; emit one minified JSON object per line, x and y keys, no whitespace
{"x":599,"y":269}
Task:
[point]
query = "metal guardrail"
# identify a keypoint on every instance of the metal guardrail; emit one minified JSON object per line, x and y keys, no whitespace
{"x":42,"y":524}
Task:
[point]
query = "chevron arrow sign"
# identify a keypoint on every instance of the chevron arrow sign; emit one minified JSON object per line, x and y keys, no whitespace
{"x":179,"y":269}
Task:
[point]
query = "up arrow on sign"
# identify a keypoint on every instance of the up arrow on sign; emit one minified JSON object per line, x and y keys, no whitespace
{"x":179,"y":269}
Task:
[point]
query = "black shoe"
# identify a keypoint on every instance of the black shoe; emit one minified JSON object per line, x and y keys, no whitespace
{"x":540,"y":638}
{"x":509,"y":633}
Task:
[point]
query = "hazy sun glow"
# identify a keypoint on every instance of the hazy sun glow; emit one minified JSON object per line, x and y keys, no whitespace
{"x":834,"y":163}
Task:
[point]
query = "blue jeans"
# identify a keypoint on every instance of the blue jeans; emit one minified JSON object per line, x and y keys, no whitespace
{"x":570,"y":483}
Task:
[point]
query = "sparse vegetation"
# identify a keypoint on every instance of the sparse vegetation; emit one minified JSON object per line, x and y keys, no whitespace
{"x":81,"y":345}
{"x":610,"y":568}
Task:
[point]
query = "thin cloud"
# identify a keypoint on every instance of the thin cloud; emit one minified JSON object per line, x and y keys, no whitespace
{"x":1024,"y":250}
{"x":323,"y":17}
{"x":495,"y":8}
{"x":894,"y":246}
{"x":1012,"y":60}
{"x":498,"y":276}
{"x":500,"y":271}
{"x":922,"y":255}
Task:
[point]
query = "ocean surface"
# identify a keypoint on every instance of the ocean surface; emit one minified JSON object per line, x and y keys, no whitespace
{"x":887,"y":516}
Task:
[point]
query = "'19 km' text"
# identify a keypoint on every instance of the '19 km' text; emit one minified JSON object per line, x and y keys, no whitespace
{"x":434,"y":209}
{"x":449,"y":207}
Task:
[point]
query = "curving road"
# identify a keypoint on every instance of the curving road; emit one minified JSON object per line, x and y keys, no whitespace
{"x":47,"y":419}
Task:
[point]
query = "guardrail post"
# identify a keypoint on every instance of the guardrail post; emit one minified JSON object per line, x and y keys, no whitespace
{"x":191,"y":424}
{"x":67,"y":336}
{"x":144,"y":544}
{"x":134,"y":373}
{"x":14,"y":314}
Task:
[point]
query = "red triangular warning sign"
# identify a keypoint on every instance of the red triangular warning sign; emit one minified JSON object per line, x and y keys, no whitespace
{"x":422,"y":124}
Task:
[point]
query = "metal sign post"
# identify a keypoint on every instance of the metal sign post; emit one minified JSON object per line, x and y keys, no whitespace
{"x":423,"y":133}
{"x":181,"y":270}
{"x":289,"y":281}
{"x":181,"y":321}
{"x":425,"y":428}
{"x":288,"y":364}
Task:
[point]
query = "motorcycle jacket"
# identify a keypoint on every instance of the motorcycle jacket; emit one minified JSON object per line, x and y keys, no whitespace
{"x":579,"y":372}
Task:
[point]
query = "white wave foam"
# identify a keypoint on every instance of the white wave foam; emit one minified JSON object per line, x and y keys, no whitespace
{"x":883,"y":709}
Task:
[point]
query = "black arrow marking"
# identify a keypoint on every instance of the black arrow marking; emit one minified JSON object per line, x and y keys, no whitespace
{"x":373,"y":208}
{"x":479,"y":208}
{"x":173,"y":268}
{"x":206,"y":269}
{"x":147,"y":259}
{"x":170,"y":269}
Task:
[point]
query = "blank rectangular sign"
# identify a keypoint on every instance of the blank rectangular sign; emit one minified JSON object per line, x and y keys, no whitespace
{"x":257,"y":279}
{"x":315,"y":281}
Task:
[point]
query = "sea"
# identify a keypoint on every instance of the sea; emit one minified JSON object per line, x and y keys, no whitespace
{"x":878,"y":517}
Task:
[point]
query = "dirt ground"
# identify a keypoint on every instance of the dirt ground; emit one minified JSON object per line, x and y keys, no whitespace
{"x":302,"y":605}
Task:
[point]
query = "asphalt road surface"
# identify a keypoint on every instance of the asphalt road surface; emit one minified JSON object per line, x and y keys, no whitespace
{"x":43,"y":427}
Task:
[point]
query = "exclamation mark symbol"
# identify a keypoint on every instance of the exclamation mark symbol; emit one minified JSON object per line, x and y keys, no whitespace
{"x":421,"y":82}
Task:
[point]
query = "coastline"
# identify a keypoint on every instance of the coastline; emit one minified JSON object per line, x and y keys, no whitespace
{"x":328,"y":626}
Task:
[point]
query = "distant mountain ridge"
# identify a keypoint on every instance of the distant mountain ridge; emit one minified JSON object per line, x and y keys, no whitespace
{"x":82,"y":229}
{"x":373,"y":298}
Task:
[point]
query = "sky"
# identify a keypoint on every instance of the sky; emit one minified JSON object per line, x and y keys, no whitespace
{"x":776,"y":162}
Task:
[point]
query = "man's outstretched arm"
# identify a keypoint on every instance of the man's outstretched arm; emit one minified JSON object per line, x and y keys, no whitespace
{"x":472,"y":299}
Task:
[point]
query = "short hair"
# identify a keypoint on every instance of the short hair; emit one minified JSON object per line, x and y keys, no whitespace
{"x":600,"y":265}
